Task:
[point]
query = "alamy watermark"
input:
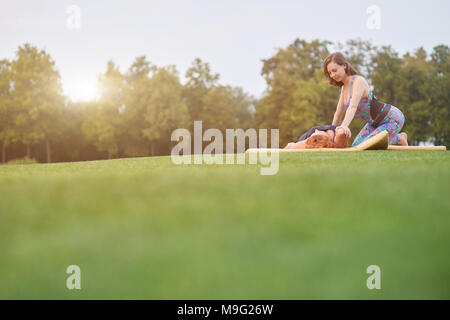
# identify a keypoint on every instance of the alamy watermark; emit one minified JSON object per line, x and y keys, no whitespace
{"x":74,"y":280}
{"x":374,"y":19}
{"x":214,"y":152}
{"x":73,"y":21}
{"x":373,"y":281}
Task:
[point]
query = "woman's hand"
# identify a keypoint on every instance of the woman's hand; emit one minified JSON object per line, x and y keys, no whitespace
{"x":347,"y":131}
{"x":341,"y":139}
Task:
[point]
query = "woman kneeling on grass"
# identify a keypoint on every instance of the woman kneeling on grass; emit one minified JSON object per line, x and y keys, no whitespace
{"x":362,"y":103}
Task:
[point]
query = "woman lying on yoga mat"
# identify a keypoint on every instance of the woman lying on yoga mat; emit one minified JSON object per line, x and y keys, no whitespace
{"x":362,"y":103}
{"x":321,"y":137}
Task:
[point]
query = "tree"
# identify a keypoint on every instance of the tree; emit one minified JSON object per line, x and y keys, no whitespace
{"x":244,"y":106}
{"x":72,"y":144}
{"x":165,"y":110}
{"x":385,"y":74}
{"x":359,"y":53}
{"x":291,"y":75}
{"x":412,"y":95}
{"x":440,"y":95}
{"x":136,"y":99}
{"x":200,"y":81}
{"x":102,"y":123}
{"x":6,"y":125}
{"x":314,"y":104}
{"x":216,"y":105}
{"x":36,"y":97}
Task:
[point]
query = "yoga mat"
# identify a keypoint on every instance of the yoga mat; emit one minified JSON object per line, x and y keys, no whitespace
{"x":429,"y":148}
{"x":377,"y":142}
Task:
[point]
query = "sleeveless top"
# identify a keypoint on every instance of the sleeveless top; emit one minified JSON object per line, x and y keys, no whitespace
{"x":363,"y":110}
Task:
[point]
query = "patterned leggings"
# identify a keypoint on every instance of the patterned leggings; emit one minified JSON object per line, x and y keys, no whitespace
{"x":393,"y":123}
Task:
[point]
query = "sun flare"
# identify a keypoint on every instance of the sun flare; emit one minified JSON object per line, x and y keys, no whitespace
{"x":80,"y":89}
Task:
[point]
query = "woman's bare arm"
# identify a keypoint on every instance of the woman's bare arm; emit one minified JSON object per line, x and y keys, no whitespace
{"x":358,"y":89}
{"x":339,"y":111}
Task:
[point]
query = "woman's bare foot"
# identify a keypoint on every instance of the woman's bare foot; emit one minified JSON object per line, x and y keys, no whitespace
{"x":296,"y":145}
{"x":403,"y":139}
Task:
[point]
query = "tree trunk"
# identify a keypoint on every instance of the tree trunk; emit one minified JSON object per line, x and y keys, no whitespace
{"x":109,"y":156}
{"x":49,"y":153}
{"x":28,"y":151}
{"x":3,"y":153}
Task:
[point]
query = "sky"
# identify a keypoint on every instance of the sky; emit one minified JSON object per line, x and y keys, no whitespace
{"x":232,"y":36}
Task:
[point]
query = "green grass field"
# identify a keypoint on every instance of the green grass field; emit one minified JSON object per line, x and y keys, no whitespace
{"x":144,"y":228}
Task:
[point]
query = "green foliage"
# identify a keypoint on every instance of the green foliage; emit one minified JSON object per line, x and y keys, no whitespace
{"x":6,"y":113}
{"x":100,"y":127}
{"x":243,"y":105}
{"x":102,"y":124}
{"x":385,"y":75}
{"x":199,"y":81}
{"x":36,"y":96}
{"x":412,"y":95}
{"x":136,"y":100}
{"x":35,"y":99}
{"x":439,"y":95}
{"x":215,"y":105}
{"x":359,"y":53}
{"x":165,"y":110}
{"x":292,"y":99}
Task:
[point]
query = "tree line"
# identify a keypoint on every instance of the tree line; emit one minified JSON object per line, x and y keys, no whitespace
{"x":137,"y":110}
